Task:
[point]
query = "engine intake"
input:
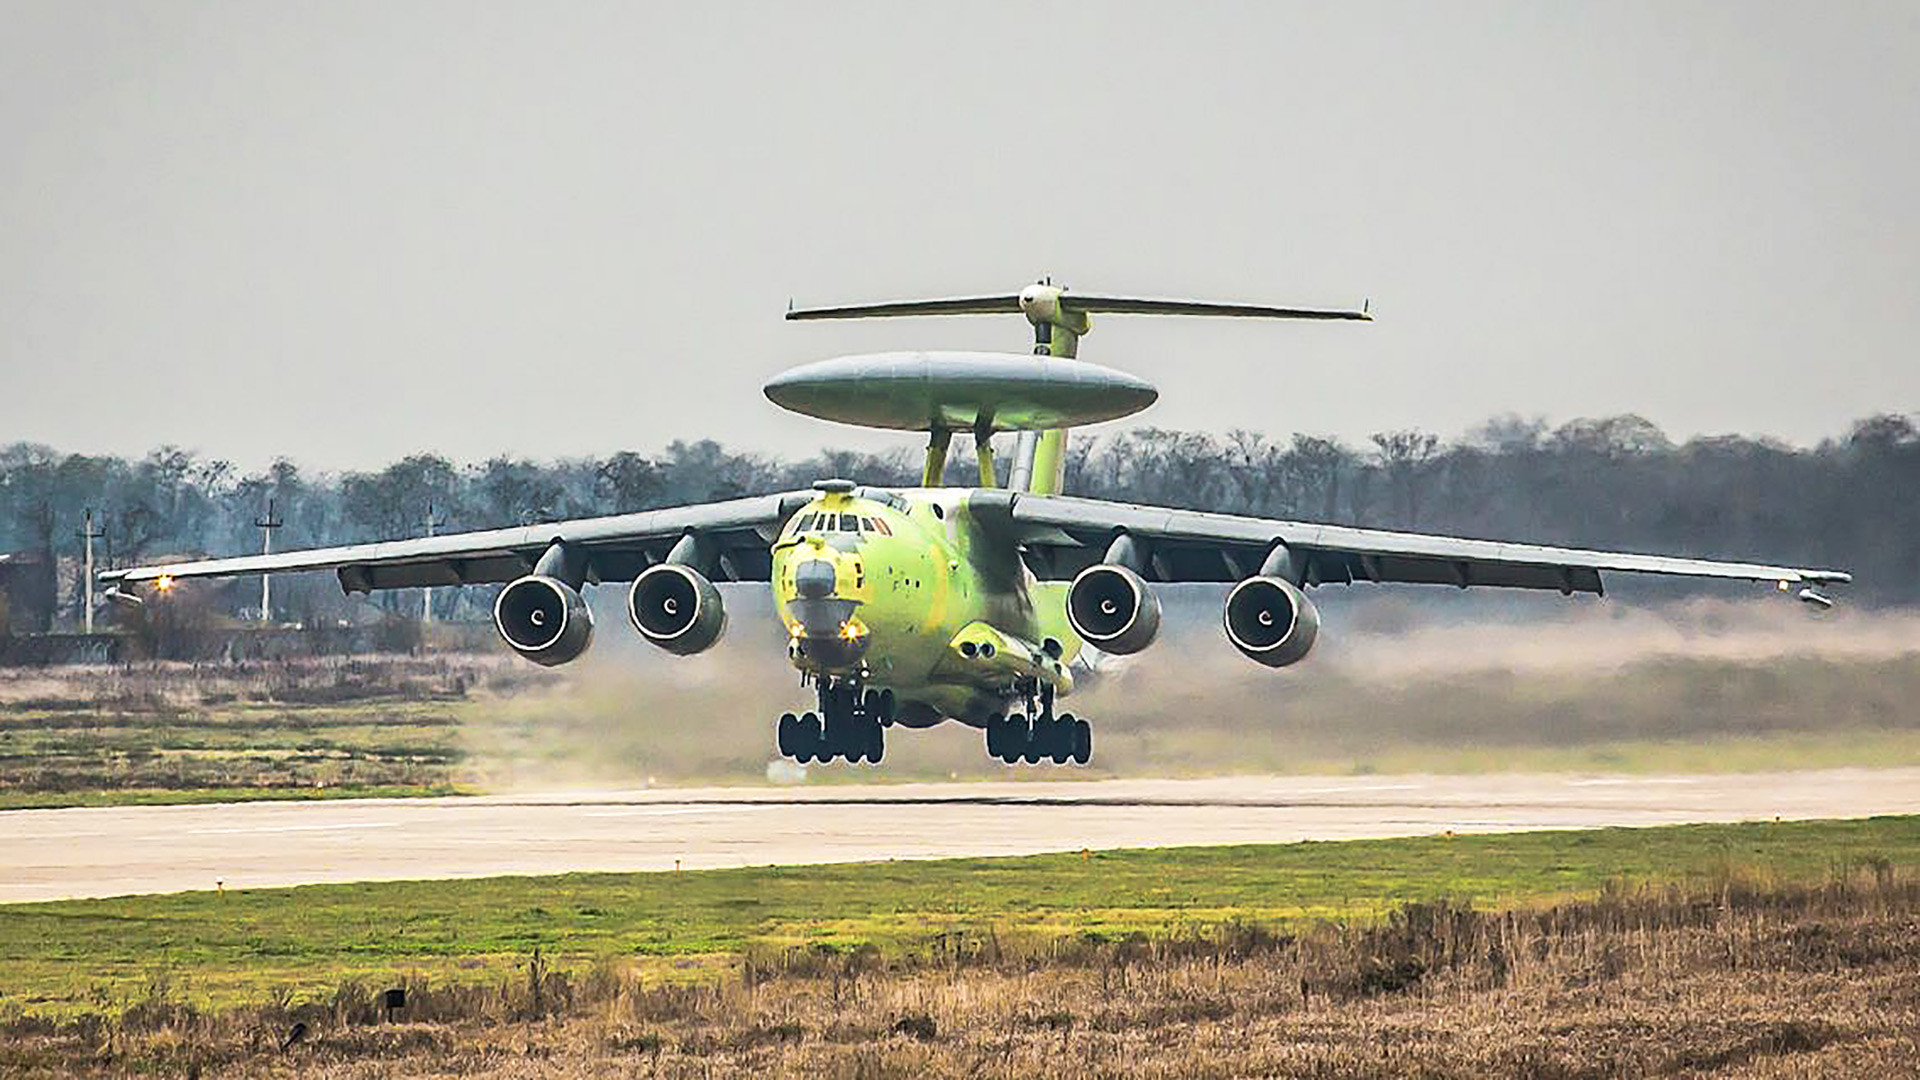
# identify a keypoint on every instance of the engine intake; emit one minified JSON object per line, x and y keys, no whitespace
{"x":1110,"y":607}
{"x":1270,"y":620}
{"x":676,"y":608}
{"x":544,"y":619}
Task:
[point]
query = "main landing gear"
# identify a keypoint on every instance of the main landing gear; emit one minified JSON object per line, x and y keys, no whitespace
{"x":849,"y":725}
{"x":1013,"y":738}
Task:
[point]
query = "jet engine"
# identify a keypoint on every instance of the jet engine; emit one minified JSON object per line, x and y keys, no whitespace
{"x":676,"y":608}
{"x":1112,"y":609}
{"x":1271,"y":620}
{"x":544,"y":619}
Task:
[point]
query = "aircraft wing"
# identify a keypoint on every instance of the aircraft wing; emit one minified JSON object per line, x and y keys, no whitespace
{"x":738,"y":533}
{"x":1064,"y":535}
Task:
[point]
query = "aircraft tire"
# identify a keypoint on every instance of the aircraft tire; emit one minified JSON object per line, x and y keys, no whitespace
{"x":996,"y":735}
{"x":1082,"y":742}
{"x":1016,"y":738}
{"x":784,"y":734}
{"x":1035,"y":744}
{"x":808,"y":739}
{"x":1060,"y":738}
{"x":876,"y":743}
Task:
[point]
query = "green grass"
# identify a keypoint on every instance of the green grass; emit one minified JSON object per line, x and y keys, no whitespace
{"x":240,"y":946}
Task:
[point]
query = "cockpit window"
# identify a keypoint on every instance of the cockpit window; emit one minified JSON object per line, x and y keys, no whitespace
{"x":881,"y":495}
{"x":845,"y":523}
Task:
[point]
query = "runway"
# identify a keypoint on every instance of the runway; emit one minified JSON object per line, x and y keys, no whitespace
{"x":52,"y":854}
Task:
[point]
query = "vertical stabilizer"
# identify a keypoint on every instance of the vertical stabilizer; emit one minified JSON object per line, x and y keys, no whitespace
{"x":1047,"y":474}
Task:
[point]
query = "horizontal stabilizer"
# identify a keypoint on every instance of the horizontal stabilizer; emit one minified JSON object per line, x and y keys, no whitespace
{"x":1129,"y":305}
{"x":960,"y":305}
{"x":1047,"y":298}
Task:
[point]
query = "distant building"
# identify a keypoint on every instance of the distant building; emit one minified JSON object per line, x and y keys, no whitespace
{"x":28,"y":593}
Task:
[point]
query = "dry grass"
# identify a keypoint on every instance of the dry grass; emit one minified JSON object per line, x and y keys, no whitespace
{"x":386,"y":724}
{"x":1740,"y":977}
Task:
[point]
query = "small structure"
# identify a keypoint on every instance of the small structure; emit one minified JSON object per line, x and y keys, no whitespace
{"x":27,"y":593}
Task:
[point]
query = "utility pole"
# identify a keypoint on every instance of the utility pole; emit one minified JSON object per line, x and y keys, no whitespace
{"x":88,"y":533}
{"x":266,"y":525}
{"x":426,"y":594}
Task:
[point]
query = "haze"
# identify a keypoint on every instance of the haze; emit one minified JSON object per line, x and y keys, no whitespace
{"x":345,"y":232}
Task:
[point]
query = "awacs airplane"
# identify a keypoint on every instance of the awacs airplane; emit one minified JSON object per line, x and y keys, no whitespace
{"x":978,"y":604}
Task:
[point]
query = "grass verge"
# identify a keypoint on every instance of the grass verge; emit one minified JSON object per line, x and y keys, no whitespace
{"x":237,"y":947}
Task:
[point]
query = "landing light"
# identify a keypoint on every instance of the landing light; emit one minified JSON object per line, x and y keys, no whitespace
{"x":851,"y":630}
{"x":164,"y":583}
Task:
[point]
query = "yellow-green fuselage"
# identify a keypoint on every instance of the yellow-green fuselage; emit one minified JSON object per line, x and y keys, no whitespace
{"x":910,"y":591}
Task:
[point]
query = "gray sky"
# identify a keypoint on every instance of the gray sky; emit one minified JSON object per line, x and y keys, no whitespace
{"x":347,"y":231}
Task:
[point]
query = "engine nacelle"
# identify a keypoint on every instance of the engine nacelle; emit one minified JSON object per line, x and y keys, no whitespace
{"x":676,"y":608}
{"x":544,"y":619}
{"x":1271,"y":620}
{"x":1112,"y":609}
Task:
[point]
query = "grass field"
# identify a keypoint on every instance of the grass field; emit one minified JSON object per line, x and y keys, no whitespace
{"x":238,"y":946}
{"x":388,"y":726}
{"x":1747,"y":950}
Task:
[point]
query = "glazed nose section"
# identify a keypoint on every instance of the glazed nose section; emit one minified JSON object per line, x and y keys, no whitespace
{"x":814,"y":579}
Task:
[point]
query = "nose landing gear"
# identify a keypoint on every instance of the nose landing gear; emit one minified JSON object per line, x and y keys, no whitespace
{"x":849,"y":725}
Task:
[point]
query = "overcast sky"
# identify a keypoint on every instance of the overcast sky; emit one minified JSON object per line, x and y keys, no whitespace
{"x":347,"y":231}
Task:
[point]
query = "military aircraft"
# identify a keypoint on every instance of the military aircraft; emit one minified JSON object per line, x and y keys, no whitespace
{"x":981,"y":604}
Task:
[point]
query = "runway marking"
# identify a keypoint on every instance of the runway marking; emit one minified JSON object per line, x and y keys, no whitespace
{"x":1358,"y":787}
{"x":297,"y":828}
{"x":666,"y":810}
{"x":1618,"y":780}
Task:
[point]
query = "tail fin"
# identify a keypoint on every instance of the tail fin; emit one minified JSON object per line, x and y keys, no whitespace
{"x":1057,"y":336}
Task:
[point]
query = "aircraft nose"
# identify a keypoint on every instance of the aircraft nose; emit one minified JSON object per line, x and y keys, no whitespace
{"x":814,"y":579}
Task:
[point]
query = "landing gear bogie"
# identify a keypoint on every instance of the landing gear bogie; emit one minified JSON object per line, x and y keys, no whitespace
{"x":1059,"y":739}
{"x":848,"y":726}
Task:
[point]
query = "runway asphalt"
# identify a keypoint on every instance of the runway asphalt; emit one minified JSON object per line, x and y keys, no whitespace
{"x":52,"y":854}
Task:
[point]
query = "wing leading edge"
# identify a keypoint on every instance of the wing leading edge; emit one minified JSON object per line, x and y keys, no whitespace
{"x":1069,"y":534}
{"x":737,"y":534}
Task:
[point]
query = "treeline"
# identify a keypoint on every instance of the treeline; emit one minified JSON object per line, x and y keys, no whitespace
{"x":1616,"y":482}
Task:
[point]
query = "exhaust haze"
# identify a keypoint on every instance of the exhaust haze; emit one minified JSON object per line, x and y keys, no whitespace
{"x":1394,"y":686}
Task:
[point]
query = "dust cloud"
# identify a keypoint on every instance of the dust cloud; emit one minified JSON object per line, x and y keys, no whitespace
{"x":1400,"y":681}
